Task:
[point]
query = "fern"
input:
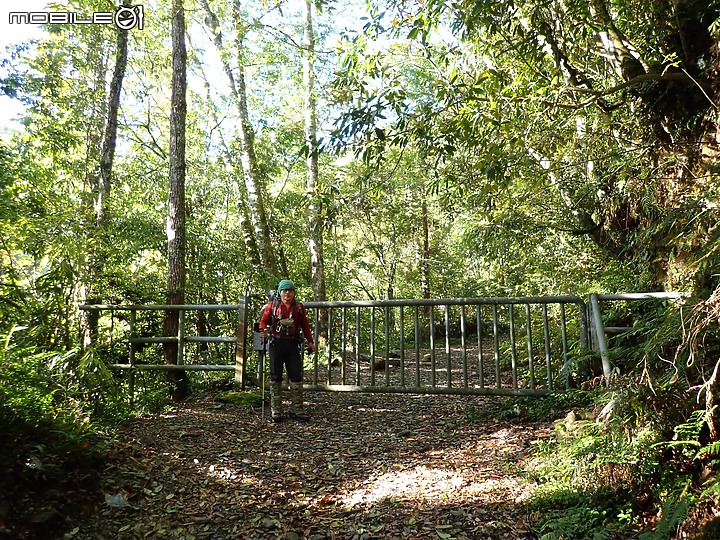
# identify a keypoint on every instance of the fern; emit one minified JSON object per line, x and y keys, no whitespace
{"x":713,"y":490}
{"x":712,"y":450}
{"x":580,"y":522}
{"x":690,"y":430}
{"x":674,"y":513}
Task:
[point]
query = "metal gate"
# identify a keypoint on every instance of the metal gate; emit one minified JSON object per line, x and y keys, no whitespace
{"x":486,"y":346}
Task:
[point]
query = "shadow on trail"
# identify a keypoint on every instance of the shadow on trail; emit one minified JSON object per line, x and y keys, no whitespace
{"x":366,"y":467}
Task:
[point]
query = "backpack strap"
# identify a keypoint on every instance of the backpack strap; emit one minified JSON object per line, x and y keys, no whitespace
{"x":296,"y":313}
{"x":274,"y":310}
{"x":301,"y":314}
{"x":300,"y":311}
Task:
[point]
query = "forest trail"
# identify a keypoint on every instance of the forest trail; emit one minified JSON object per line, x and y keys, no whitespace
{"x":366,"y":467}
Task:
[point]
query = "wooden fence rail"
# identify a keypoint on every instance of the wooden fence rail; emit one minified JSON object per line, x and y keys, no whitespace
{"x":181,"y":339}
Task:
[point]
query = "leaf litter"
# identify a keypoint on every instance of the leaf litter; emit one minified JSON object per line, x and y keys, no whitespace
{"x":368,"y":466}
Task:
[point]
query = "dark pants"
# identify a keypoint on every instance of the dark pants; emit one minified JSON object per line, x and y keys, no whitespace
{"x":285,"y":352}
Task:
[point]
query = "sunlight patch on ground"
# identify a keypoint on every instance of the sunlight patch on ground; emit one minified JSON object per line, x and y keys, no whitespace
{"x":421,"y":484}
{"x":223,"y":473}
{"x":374,"y":409}
{"x":502,"y":434}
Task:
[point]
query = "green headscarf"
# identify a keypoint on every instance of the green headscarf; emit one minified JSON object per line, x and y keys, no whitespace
{"x":285,"y":285}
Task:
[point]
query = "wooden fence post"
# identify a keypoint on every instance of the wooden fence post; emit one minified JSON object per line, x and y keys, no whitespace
{"x":181,"y":338}
{"x":240,"y":357}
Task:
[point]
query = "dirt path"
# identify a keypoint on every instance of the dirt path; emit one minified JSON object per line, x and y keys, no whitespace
{"x":366,"y":467}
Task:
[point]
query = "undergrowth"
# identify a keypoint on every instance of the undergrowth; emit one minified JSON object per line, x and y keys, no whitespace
{"x":634,"y":461}
{"x":58,"y":410}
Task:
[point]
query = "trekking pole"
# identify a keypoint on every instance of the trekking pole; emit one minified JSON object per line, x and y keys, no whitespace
{"x":262,"y":367}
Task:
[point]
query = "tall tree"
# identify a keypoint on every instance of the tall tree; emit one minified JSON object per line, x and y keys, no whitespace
{"x":103,"y":181}
{"x":315,"y":244}
{"x":175,"y":226}
{"x":231,"y":165}
{"x":425,"y":245}
{"x":107,"y":154}
{"x":246,"y":137}
{"x":66,"y":115}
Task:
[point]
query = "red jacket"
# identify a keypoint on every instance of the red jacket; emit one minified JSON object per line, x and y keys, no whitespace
{"x":298,"y":312}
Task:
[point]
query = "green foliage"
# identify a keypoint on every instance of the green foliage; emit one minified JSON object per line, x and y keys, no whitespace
{"x":26,"y":391}
{"x":532,"y":157}
{"x":244,"y":399}
{"x":42,"y":403}
{"x":548,"y":407}
{"x":584,"y":485}
{"x":673,"y":514}
{"x":688,"y":433}
{"x":578,"y":520}
{"x":711,"y":451}
{"x":151,"y":392}
{"x":614,"y":451}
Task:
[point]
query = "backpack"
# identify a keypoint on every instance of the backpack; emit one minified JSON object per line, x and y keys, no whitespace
{"x":286,"y":331}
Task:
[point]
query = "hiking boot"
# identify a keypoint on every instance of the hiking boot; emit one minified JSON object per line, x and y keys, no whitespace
{"x":276,"y":401}
{"x":297,"y":411}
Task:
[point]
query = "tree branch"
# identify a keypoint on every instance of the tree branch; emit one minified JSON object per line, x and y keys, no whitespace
{"x":674,"y":76}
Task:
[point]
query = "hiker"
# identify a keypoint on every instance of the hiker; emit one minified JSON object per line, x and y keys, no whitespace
{"x":285,"y":321}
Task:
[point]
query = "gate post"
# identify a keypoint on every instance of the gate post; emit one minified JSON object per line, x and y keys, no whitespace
{"x":240,"y":356}
{"x":131,"y":376}
{"x":600,"y":336}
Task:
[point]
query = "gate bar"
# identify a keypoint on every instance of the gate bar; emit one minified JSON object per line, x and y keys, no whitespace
{"x":513,"y":349}
{"x":598,"y":324}
{"x":546,"y":336}
{"x":428,"y":390}
{"x":531,"y":364}
{"x":481,"y":368}
{"x":563,"y":299}
{"x":402,"y":346}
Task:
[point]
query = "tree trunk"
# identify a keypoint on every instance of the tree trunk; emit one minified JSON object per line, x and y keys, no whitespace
{"x":425,"y":252}
{"x":109,"y":140}
{"x":234,"y":170}
{"x":425,"y":262}
{"x":101,"y":186}
{"x":316,"y":229}
{"x":251,"y":171}
{"x":626,"y":64}
{"x":253,"y":179}
{"x":583,"y":219}
{"x":175,"y":227}
{"x":315,"y":237}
